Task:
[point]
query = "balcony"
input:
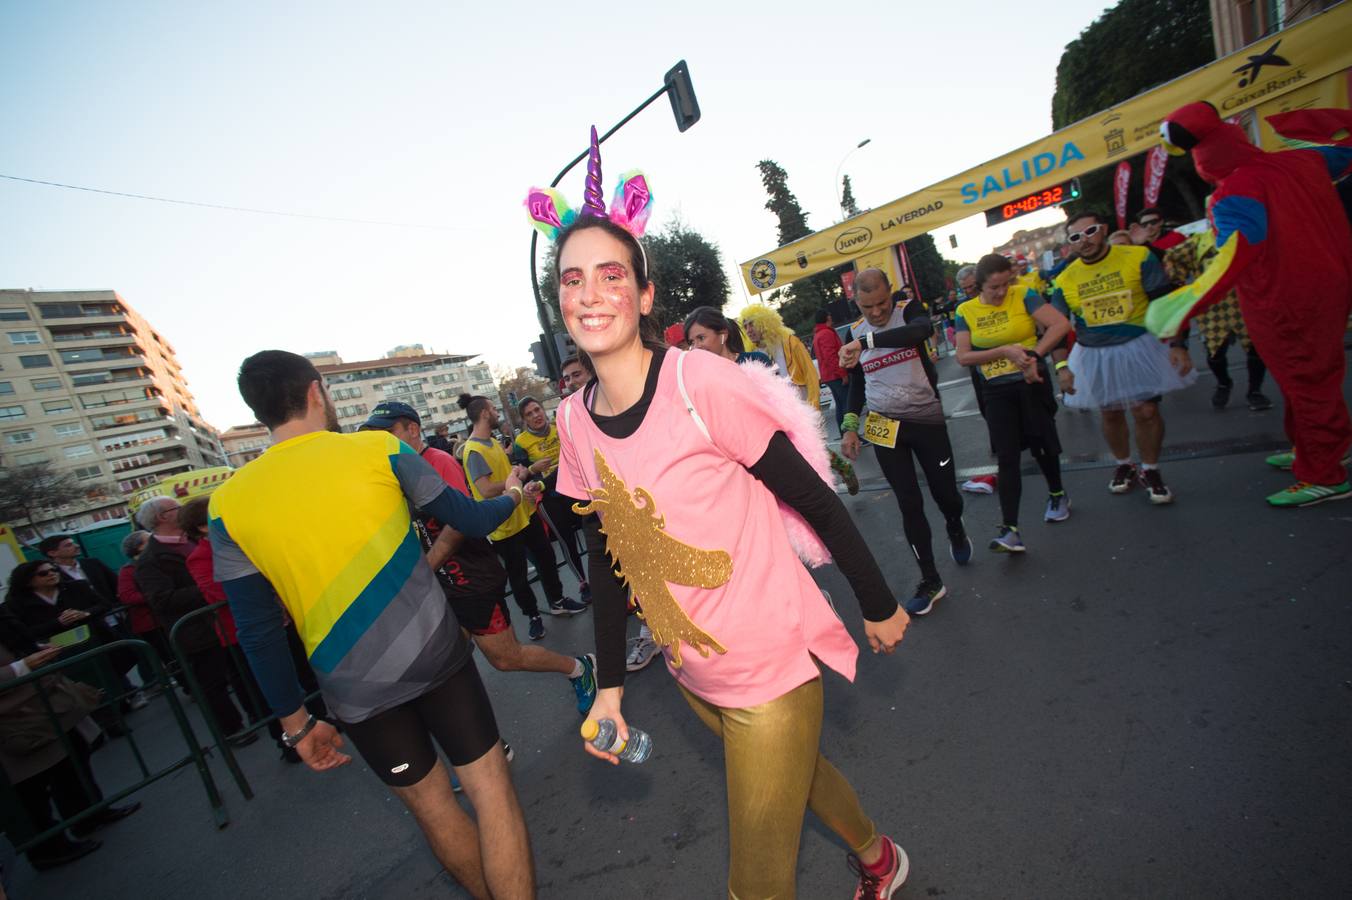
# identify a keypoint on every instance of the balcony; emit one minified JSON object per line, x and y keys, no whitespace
{"x":104,"y":316}
{"x":164,"y":443}
{"x":155,"y":465}
{"x":76,"y":340}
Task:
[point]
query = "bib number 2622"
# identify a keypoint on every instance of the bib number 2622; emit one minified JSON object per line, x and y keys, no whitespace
{"x":881,"y":431}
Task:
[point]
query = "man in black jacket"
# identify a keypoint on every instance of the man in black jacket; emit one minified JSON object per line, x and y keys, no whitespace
{"x":64,"y":552}
{"x":171,"y":593}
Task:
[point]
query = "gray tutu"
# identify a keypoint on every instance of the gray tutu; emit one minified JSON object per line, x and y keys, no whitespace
{"x":1119,"y":376}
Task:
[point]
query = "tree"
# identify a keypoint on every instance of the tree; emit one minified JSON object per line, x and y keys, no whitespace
{"x":848,"y":204}
{"x":1131,"y":48}
{"x":685,"y":266}
{"x":35,"y":492}
{"x":804,"y":297}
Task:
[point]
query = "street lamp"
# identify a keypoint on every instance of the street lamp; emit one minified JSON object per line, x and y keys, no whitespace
{"x":676,"y":84}
{"x":840,"y":199}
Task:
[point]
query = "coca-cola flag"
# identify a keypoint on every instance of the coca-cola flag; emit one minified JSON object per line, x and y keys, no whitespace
{"x":1121,"y":185}
{"x":1155,"y":162}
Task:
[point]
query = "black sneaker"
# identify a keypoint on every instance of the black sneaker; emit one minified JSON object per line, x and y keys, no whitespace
{"x":927,"y":593}
{"x":1222,"y":396}
{"x":1258,"y":401}
{"x":960,"y":547}
{"x":537,"y":628}
{"x":1154,"y":483}
{"x":1125,"y":477}
{"x":566,"y":606}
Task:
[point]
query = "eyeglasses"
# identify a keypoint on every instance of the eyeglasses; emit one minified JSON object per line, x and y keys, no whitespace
{"x":1077,"y":236}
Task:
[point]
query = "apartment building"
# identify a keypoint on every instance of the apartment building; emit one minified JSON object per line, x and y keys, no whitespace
{"x":429,"y":382}
{"x":244,"y":443}
{"x":89,"y":386}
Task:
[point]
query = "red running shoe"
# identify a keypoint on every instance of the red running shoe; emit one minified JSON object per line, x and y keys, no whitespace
{"x":881,"y":885}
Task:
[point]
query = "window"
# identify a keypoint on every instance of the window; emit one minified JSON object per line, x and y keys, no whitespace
{"x":88,"y":473}
{"x":12,"y":314}
{"x":6,"y":388}
{"x":95,"y":354}
{"x":53,"y":407}
{"x":85,"y":379}
{"x":46,"y":384}
{"x":79,"y":450}
{"x":29,"y":459}
{"x":24,"y":337}
{"x":68,"y":429}
{"x":11,"y":412}
{"x":127,"y":418}
{"x":35,"y":361}
{"x":345,"y":393}
{"x":21,"y":437}
{"x":356,"y":409}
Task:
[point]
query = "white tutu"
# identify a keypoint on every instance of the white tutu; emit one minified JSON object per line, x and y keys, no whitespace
{"x":1121,"y":375}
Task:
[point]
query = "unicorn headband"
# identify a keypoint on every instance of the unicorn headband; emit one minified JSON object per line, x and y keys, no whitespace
{"x":630,"y":206}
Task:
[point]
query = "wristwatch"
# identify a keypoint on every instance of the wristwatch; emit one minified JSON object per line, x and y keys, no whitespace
{"x":291,"y":740}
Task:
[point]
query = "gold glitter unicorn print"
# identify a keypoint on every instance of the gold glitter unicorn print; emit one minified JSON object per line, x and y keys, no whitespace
{"x":648,"y":559}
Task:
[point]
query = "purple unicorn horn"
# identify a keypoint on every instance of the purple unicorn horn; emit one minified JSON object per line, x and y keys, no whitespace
{"x":594,"y":203}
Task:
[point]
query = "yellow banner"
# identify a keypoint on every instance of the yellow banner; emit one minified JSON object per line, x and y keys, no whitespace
{"x":1297,"y":57}
{"x":1326,"y":93}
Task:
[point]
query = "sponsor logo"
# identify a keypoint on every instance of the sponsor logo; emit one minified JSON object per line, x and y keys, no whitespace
{"x":1272,"y":85}
{"x":1116,"y":141}
{"x":913,"y":214}
{"x":854,"y":239}
{"x":1033,"y":167}
{"x":763,"y":273}
{"x":399,"y":768}
{"x":1248,"y":73}
{"x":801,"y":259}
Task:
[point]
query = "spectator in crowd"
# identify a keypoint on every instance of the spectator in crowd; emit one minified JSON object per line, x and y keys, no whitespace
{"x":826,"y":347}
{"x":163,"y":577}
{"x":441,"y":439}
{"x":140,"y":619}
{"x":62,"y":551}
{"x":36,"y":761}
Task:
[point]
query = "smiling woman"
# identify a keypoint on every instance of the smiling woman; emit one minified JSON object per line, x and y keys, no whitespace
{"x":684,"y":463}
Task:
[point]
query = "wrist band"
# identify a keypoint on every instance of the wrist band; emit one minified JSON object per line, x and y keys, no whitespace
{"x":520,"y":497}
{"x":291,"y":740}
{"x":868,"y":339}
{"x":1062,"y":364}
{"x":850,"y":422}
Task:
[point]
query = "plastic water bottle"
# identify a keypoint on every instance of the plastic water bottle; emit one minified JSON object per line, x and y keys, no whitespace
{"x":601,"y":734}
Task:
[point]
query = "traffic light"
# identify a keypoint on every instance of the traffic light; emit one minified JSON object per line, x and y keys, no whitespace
{"x":682,"y":95}
{"x":537,"y":350}
{"x":563,"y":344}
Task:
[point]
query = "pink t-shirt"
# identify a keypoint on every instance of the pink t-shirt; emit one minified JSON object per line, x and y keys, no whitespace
{"x":770,"y":614}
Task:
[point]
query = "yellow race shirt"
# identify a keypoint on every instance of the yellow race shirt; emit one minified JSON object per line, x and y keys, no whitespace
{"x":488,"y":458}
{"x":536,"y":447}
{"x":1106,"y":301}
{"x":1011,"y":322}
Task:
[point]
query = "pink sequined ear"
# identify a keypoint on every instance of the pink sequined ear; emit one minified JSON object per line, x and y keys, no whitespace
{"x":549,"y":211}
{"x":632,"y":203}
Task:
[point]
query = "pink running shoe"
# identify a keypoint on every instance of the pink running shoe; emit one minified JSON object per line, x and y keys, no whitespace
{"x":881,"y":886}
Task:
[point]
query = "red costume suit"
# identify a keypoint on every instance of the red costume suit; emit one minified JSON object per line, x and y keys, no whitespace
{"x":1285,"y":247}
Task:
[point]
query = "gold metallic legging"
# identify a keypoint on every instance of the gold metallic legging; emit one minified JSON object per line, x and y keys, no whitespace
{"x":775,"y":771}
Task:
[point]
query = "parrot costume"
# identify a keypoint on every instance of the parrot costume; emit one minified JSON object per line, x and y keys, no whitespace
{"x":1285,"y":247}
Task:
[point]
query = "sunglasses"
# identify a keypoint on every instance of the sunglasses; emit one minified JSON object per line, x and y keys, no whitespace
{"x":41,"y":572}
{"x":1149,"y":222}
{"x":1077,"y":236}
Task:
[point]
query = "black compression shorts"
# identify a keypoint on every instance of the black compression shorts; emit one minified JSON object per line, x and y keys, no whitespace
{"x":397,"y":744}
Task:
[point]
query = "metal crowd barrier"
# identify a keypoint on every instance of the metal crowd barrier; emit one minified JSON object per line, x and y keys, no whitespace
{"x":219,"y":738}
{"x":112,"y":701}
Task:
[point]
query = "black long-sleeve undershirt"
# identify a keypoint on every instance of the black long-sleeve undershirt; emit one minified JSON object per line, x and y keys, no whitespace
{"x":789,"y":477}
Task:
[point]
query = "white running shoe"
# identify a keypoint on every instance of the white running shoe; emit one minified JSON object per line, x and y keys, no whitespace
{"x":642,"y":649}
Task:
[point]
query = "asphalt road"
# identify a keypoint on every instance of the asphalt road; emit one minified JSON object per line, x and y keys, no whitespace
{"x":1154,"y":702}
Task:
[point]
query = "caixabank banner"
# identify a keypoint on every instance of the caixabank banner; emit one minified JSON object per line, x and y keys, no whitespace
{"x":1304,"y":56}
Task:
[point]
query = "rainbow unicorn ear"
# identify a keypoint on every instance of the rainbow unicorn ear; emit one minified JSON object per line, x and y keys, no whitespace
{"x":632,"y":203}
{"x":549,"y":211}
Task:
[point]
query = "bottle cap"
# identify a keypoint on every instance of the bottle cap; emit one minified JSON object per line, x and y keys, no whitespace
{"x":590,"y":729}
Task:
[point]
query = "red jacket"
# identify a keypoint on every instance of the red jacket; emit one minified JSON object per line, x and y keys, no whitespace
{"x":142,"y":619}
{"x":826,"y":346}
{"x":201,"y":568}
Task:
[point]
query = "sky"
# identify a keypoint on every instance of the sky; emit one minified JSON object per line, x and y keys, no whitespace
{"x":440,"y":115}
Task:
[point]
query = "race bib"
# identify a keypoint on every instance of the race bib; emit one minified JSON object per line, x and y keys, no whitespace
{"x":1109,"y":309}
{"x":998,"y":367}
{"x":881,"y":431}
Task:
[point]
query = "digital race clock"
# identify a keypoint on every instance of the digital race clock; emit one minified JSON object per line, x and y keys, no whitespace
{"x":1052,"y":196}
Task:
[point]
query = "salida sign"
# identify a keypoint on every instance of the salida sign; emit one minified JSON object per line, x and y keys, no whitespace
{"x":1314,"y":49}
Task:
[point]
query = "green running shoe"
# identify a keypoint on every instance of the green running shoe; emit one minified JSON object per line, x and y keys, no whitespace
{"x":1283,"y":461}
{"x":1303,"y":494}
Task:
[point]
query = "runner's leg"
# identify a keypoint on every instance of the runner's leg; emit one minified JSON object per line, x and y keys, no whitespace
{"x":899,"y":470}
{"x":506,"y":654}
{"x":1116,"y":433}
{"x":1149,"y":431}
{"x":512,"y":552}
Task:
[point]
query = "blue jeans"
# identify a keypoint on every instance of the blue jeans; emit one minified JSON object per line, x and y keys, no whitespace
{"x":839,"y":395}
